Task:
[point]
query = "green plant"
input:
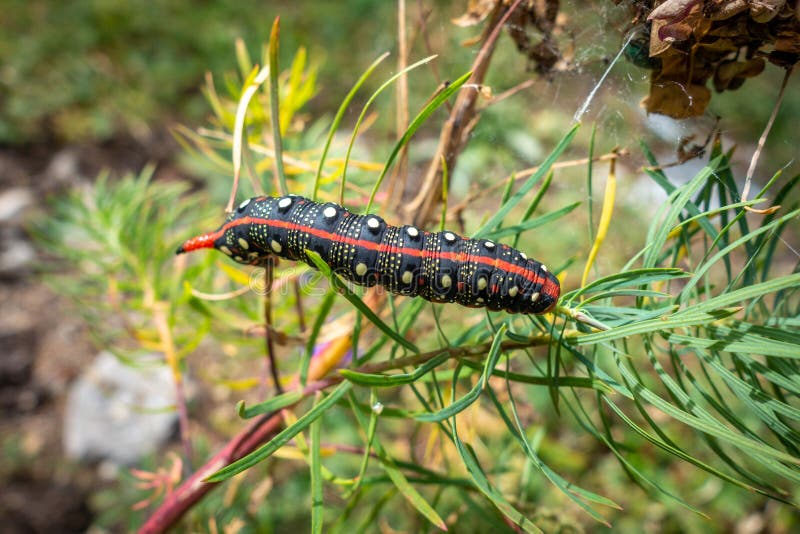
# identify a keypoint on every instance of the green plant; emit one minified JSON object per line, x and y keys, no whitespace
{"x":684,"y":356}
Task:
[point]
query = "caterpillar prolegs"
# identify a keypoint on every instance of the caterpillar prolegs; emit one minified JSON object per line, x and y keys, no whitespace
{"x":437,"y":266}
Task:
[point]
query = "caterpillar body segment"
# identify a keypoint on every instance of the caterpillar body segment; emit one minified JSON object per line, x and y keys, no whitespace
{"x":437,"y":266}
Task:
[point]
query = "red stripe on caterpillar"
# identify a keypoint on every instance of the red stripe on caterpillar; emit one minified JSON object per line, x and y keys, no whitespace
{"x":437,"y":266}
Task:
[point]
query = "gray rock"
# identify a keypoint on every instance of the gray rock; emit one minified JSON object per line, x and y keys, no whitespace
{"x":16,"y":256}
{"x":13,"y":203}
{"x":117,"y":412}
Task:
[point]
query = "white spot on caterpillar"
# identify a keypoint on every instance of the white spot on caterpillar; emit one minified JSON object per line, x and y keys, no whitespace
{"x":447,"y":281}
{"x":482,"y":283}
{"x":523,"y":256}
{"x":276,"y":247}
{"x":329,"y":212}
{"x":449,"y":236}
{"x":412,"y":231}
{"x":489,"y":245}
{"x":243,"y":243}
{"x":513,"y":291}
{"x":373,"y":223}
{"x":480,"y":300}
{"x":544,"y":267}
{"x":407,"y":277}
{"x":535,"y":297}
{"x":361,"y":269}
{"x":225,"y":250}
{"x":284,"y":203}
{"x":244,"y":204}
{"x":238,"y":258}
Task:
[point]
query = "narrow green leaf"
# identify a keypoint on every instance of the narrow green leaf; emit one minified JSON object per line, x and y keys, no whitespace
{"x":561,"y":381}
{"x":727,"y":340}
{"x":543,"y":169}
{"x":317,"y":502}
{"x":652,"y":326}
{"x":686,"y":293}
{"x":533,"y":223}
{"x":275,"y":403}
{"x":738,"y":296}
{"x":464,"y":402}
{"x":574,"y":492}
{"x":337,"y":119}
{"x":274,"y":100}
{"x":342,"y":288}
{"x":322,"y":315}
{"x":483,"y":484}
{"x":283,"y":437}
{"x":380,"y":380}
{"x":421,"y":117}
{"x":634,"y":278}
{"x":659,"y":231}
{"x":411,"y":494}
{"x":705,"y":423}
{"x":364,"y":110}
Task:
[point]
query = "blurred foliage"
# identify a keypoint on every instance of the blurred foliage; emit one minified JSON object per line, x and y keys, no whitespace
{"x":90,"y":70}
{"x":120,"y":236}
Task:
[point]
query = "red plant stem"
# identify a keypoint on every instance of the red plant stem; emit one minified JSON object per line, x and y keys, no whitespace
{"x":194,"y":488}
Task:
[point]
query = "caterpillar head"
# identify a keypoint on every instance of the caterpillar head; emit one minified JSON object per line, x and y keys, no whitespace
{"x":232,"y":240}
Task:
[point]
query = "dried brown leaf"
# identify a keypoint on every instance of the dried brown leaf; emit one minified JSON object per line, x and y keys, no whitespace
{"x":764,"y":11}
{"x":677,"y":100}
{"x":725,"y":9}
{"x":477,"y":11}
{"x":731,"y":74}
{"x":673,"y":10}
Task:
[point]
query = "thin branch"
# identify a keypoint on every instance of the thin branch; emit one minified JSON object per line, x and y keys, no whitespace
{"x":457,"y":128}
{"x":762,"y":141}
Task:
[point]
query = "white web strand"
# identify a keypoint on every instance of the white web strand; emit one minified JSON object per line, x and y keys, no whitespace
{"x":585,"y":106}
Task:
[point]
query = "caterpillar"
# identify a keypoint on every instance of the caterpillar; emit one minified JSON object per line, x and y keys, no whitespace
{"x":437,"y":266}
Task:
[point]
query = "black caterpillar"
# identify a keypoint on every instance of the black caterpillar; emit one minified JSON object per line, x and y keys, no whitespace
{"x":437,"y":266}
